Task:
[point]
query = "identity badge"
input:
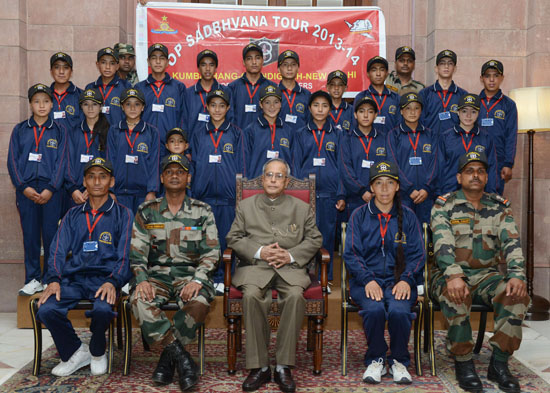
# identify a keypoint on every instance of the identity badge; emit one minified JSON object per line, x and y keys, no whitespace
{"x":272,"y":154}
{"x":414,"y":161}
{"x":106,"y":110}
{"x":204,"y":117}
{"x":380,"y":120}
{"x":444,"y":115}
{"x":366,"y":164}
{"x":291,"y":118}
{"x":84,"y":158}
{"x":59,"y":115}
{"x":90,"y":246}
{"x":36,"y":157}
{"x":131,"y":159}
{"x":157,"y":108}
{"x":487,"y":122}
{"x":250,"y":108}
{"x":318,"y":161}
{"x":215,"y":159}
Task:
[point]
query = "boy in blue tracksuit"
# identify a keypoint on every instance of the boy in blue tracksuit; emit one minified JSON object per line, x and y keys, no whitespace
{"x":363,"y":147}
{"x":386,"y":100}
{"x":109,"y":85}
{"x":133,"y":148}
{"x":269,"y":136}
{"x":413,"y":148}
{"x":294,"y":110}
{"x":219,"y":153}
{"x":66,"y":109}
{"x":317,"y":150}
{"x":462,"y":138}
{"x":440,"y":111}
{"x":383,"y":254}
{"x":341,"y":113}
{"x":164,"y":95}
{"x":245,"y":91}
{"x":499,"y":116}
{"x":36,"y":164}
{"x":88,"y":260}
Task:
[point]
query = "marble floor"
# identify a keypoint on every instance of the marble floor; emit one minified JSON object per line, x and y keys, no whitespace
{"x":16,"y":347}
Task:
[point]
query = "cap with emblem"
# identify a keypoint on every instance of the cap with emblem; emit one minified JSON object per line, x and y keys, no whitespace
{"x":288,"y":54}
{"x":497,"y":65}
{"x":132,"y":92}
{"x":383,"y":168}
{"x":124,"y":49}
{"x":406,"y":99}
{"x":320,"y":93}
{"x":177,"y":131}
{"x":99,"y":162}
{"x":218,"y":93}
{"x":159,"y":47}
{"x":207,"y":53}
{"x":270,"y":91}
{"x":39,"y":88}
{"x":92,"y":95}
{"x":377,"y":60}
{"x":472,"y":156}
{"x":175,"y":159}
{"x":63,"y":57}
{"x":404,"y":50}
{"x":445,"y":53}
{"x":338,"y":74}
{"x":368,"y":101}
{"x":252,"y":47}
{"x":471,"y":100}
{"x":107,"y":52}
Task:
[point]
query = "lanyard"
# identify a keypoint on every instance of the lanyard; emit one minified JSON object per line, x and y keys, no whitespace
{"x":105,"y":96}
{"x":202,"y":100}
{"x":251,"y":95}
{"x":37,"y":138}
{"x":91,"y":227}
{"x":273,"y":129}
{"x":367,"y":149}
{"x":415,"y":144}
{"x":216,"y":143}
{"x":492,"y":106}
{"x":162,"y":84}
{"x":337,"y":117}
{"x":290,"y":103}
{"x":467,"y":148}
{"x":59,"y":98}
{"x":128,"y":136}
{"x":88,"y":144}
{"x":445,"y":104}
{"x":383,"y":229}
{"x":379,"y":106}
{"x":319,"y":145}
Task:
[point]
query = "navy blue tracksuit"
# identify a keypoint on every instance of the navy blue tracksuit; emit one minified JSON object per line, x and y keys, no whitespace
{"x":66,"y":108}
{"x":453,"y":144}
{"x":499,"y":116}
{"x":82,"y":273}
{"x":294,"y":108}
{"x":245,"y":100}
{"x":40,"y":165}
{"x":265,"y":142}
{"x":370,"y":256}
{"x":342,"y":117}
{"x":218,"y":155}
{"x":112,"y":108}
{"x":415,"y":154}
{"x":135,"y":157}
{"x":388,"y":116}
{"x":440,"y":109}
{"x":317,"y":152}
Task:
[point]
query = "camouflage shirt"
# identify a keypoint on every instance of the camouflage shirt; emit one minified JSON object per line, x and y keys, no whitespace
{"x":468,"y":242}
{"x":132,"y":77}
{"x":184,"y":245}
{"x":394,"y":83}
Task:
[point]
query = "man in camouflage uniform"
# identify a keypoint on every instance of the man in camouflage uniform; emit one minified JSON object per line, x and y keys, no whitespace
{"x":174,"y":250}
{"x":400,"y":80}
{"x":471,"y":229}
{"x":127,"y":62}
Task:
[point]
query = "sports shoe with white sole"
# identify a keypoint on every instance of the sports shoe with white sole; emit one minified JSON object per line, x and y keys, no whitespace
{"x":31,"y":288}
{"x":374,"y":372}
{"x":80,"y":358}
{"x":400,"y":373}
{"x":98,"y":365}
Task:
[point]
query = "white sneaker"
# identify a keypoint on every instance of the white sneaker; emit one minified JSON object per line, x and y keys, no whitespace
{"x":219,"y":287}
{"x":80,"y":358}
{"x":400,"y":373}
{"x":31,"y":288}
{"x":126,"y":289}
{"x":374,"y":372}
{"x":98,"y":365}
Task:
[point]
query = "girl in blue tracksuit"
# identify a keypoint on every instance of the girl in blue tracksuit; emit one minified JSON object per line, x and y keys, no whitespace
{"x":269,"y":136}
{"x":383,"y":253}
{"x":88,"y":140}
{"x":317,"y":149}
{"x":36,"y":164}
{"x":413,"y":148}
{"x":133,"y":148}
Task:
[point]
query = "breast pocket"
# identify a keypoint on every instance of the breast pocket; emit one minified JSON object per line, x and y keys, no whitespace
{"x":190,"y":241}
{"x":489,"y":238}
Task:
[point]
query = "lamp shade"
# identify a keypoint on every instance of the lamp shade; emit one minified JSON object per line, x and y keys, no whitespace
{"x":533,"y":105}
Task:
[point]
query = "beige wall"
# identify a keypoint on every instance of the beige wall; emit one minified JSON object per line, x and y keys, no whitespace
{"x":514,"y":31}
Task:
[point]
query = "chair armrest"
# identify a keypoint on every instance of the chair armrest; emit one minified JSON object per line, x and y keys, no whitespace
{"x":323,"y":259}
{"x":227,"y":256}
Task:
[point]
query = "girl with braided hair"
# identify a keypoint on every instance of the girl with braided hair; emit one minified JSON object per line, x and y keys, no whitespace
{"x":384,"y":251}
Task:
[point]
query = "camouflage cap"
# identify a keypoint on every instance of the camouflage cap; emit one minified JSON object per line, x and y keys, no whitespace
{"x":61,"y":56}
{"x":39,"y":88}
{"x":376,"y":60}
{"x":92,"y":95}
{"x":404,"y":50}
{"x":365,"y":101}
{"x":175,"y":159}
{"x":497,"y":65}
{"x":337,"y":74}
{"x":107,"y":52}
{"x":446,"y":53}
{"x":99,"y":162}
{"x":472,"y":156}
{"x":124,"y":49}
{"x":177,"y":131}
{"x":406,"y":99}
{"x":383,"y":168}
{"x":270,"y":91}
{"x":132,"y":92}
{"x":288,"y":54}
{"x":471,"y":100}
{"x":218,"y":93}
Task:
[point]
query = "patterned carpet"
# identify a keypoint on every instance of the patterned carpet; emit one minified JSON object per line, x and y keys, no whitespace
{"x":216,"y":378}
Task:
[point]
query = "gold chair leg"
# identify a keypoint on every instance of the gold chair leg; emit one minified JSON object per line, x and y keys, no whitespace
{"x":127,"y":320}
{"x":111,"y":346}
{"x":37,"y":330}
{"x":417,"y":339}
{"x":201,"y":349}
{"x":431,"y":339}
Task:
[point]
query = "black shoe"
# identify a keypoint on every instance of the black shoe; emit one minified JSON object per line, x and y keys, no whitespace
{"x":164,"y":373}
{"x":284,"y":380}
{"x":498,"y":372}
{"x":467,"y":377}
{"x":256,"y":379}
{"x":187,"y":368}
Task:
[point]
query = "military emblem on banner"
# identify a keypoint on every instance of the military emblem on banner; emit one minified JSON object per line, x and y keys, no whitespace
{"x":361,"y":26}
{"x":164,"y":27}
{"x":270,"y":49}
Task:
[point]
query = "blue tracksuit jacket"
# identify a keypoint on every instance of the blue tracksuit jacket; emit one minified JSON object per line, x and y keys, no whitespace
{"x":342,"y":117}
{"x":388,"y":116}
{"x":66,"y":109}
{"x":111,"y":97}
{"x":244,"y":93}
{"x":294,"y":103}
{"x":434,"y":105}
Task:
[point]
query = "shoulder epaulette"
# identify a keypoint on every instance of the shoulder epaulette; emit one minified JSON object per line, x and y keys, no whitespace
{"x":442,"y":199}
{"x":196,"y":202}
{"x":148,"y":203}
{"x":500,"y":199}
{"x":392,"y":88}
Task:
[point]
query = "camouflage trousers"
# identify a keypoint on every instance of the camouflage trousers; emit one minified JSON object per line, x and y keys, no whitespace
{"x":488,"y":288}
{"x":156,"y":327}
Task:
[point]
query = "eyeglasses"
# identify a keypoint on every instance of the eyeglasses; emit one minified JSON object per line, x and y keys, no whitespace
{"x":277,"y":176}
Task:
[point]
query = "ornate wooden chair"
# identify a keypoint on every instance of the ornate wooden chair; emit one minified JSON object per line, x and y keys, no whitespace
{"x":316,"y":294}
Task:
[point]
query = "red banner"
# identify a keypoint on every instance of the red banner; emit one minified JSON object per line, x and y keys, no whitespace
{"x":326,"y":39}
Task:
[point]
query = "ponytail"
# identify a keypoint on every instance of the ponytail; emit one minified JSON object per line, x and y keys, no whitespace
{"x":400,"y":255}
{"x":101,"y":129}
